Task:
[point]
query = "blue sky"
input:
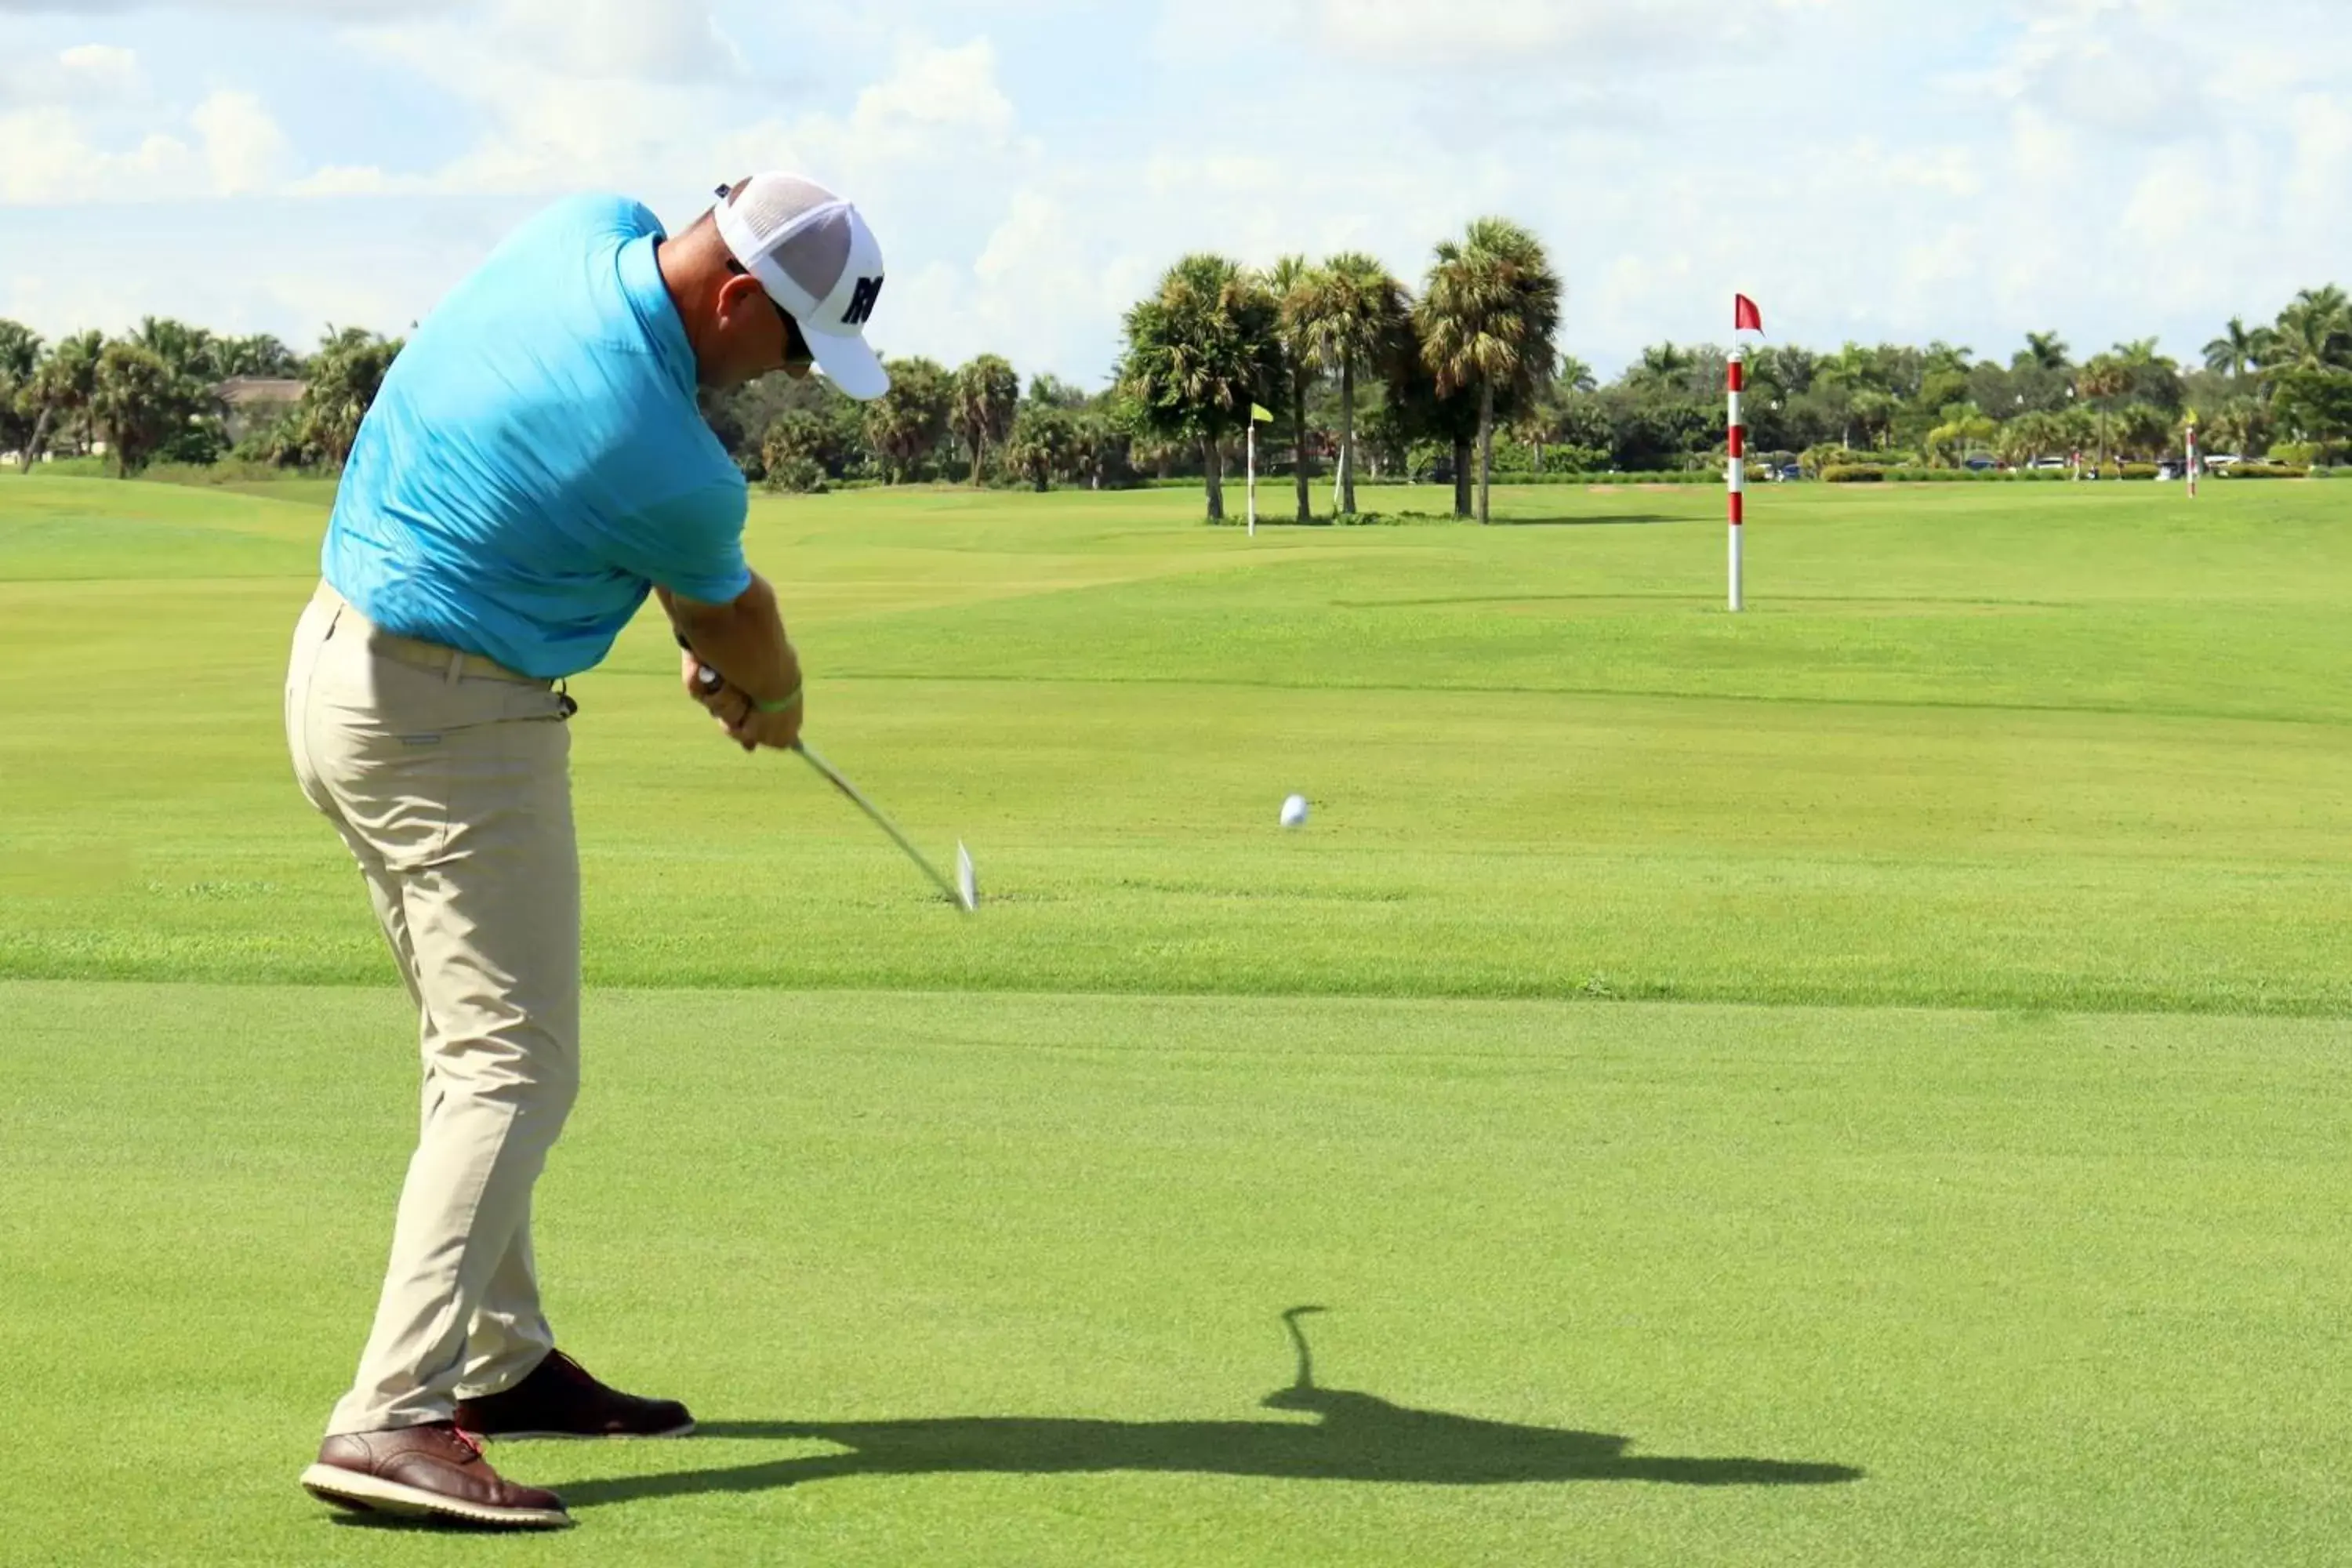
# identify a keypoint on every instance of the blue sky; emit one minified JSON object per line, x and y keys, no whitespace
{"x":1865,"y":168}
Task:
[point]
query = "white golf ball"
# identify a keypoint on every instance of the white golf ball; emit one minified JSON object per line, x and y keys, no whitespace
{"x":1293,"y":812}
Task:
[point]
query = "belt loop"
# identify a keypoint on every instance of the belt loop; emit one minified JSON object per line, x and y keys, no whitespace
{"x":456,"y":667}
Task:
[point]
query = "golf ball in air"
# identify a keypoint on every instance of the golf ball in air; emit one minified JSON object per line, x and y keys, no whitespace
{"x":1293,"y":812}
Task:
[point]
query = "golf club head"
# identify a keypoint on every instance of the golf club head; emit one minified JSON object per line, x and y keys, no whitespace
{"x":967,"y":880}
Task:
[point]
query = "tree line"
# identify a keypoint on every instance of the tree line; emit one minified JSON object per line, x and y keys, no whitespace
{"x":1459,"y":380}
{"x":160,"y":393}
{"x":1463,"y":380}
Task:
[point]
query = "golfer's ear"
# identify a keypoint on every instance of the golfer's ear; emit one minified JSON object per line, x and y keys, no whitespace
{"x":741,"y":292}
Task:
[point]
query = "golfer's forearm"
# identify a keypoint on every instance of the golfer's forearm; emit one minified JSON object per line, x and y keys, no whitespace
{"x":744,"y":640}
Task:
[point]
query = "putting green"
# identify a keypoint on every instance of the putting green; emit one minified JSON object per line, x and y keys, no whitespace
{"x":2013,"y":1235}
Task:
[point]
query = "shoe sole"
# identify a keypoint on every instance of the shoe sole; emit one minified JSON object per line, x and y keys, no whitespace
{"x":372,"y":1494}
{"x":685,"y":1431}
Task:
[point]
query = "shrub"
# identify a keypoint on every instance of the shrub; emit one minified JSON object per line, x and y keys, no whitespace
{"x":1818,"y":459}
{"x":1851,"y":474}
{"x":796,"y":472}
{"x":2139,"y":470}
{"x":283,"y":439}
{"x":201,"y":442}
{"x":233,"y":470}
{"x":2260,"y":471}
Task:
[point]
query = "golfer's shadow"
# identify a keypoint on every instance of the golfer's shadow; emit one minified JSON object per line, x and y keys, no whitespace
{"x":1354,"y":1437}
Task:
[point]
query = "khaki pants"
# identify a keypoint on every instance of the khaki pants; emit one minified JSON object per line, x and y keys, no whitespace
{"x":447,"y":777}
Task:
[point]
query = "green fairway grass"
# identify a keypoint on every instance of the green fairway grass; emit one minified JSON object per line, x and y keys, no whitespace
{"x":1864,"y":1081}
{"x":999,"y":1279}
{"x":2052,"y":746}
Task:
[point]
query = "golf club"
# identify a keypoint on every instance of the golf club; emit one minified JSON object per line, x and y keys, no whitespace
{"x":963,"y":892}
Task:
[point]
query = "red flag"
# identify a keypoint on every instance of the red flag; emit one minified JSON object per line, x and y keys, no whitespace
{"x":1745,"y":315}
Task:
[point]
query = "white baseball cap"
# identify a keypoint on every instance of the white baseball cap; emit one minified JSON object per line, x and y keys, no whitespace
{"x":816,"y":257}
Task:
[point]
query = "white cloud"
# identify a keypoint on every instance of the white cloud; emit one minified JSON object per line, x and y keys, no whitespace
{"x":933,"y":101}
{"x":244,"y":148}
{"x":1867,"y":167}
{"x":935,"y":111}
{"x":88,"y":149}
{"x":2321,"y":167}
{"x":99,"y":71}
{"x":46,"y":155}
{"x":84,"y":77}
{"x":327,"y":9}
{"x":343,"y":180}
{"x":632,"y":40}
{"x":1487,"y":36}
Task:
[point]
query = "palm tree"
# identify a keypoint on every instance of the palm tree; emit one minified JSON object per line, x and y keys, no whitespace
{"x":1487,"y":320}
{"x":1293,"y":284}
{"x":2236,"y":350}
{"x":60,"y":386}
{"x":1043,"y":442}
{"x":2042,"y":351}
{"x":1355,"y":315}
{"x":981,"y":406}
{"x":189,"y":350}
{"x":906,"y":423}
{"x":2104,"y":378}
{"x":1875,"y":411}
{"x":20,"y":352}
{"x":20,"y":356}
{"x":344,"y":376}
{"x":2019,"y":441}
{"x":2314,"y":332}
{"x":261,"y":354}
{"x":1663,"y":364}
{"x":2144,"y":430}
{"x":1952,"y":441}
{"x":1199,"y":353}
{"x":140,"y":399}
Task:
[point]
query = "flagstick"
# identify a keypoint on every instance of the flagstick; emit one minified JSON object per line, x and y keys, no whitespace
{"x":1253,"y":479}
{"x":1735,"y":474}
{"x":2191,"y":472}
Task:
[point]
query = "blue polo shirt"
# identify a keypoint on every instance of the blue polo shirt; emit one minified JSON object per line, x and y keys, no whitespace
{"x":535,"y":460}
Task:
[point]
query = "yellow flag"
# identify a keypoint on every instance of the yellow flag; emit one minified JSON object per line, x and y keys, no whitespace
{"x":1258,"y":415}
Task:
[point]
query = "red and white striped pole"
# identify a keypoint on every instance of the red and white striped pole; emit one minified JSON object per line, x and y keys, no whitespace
{"x":2191,"y":471}
{"x":1735,"y":474}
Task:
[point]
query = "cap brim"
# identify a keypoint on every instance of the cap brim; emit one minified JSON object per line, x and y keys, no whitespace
{"x":849,"y":362}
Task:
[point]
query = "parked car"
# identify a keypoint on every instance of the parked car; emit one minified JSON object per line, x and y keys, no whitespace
{"x":1980,"y":464}
{"x":2214,"y":462}
{"x":2046,"y":464}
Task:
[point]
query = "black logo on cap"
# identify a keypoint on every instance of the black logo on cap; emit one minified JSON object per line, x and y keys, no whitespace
{"x":861,"y":301}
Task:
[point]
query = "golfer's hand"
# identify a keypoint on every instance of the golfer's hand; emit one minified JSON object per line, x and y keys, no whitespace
{"x":722,"y":701}
{"x":779,"y":732}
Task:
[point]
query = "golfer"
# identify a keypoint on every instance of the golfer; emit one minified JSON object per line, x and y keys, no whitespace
{"x":533,"y":466}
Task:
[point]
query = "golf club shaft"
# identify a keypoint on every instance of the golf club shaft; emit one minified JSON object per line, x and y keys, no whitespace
{"x":833,"y":776}
{"x":710,"y":679}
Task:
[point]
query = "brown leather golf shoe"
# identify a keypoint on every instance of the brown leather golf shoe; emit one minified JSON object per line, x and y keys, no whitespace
{"x":432,"y":1471}
{"x":559,"y":1399}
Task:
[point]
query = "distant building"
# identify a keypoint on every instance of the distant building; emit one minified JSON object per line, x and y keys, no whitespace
{"x":251,"y":401}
